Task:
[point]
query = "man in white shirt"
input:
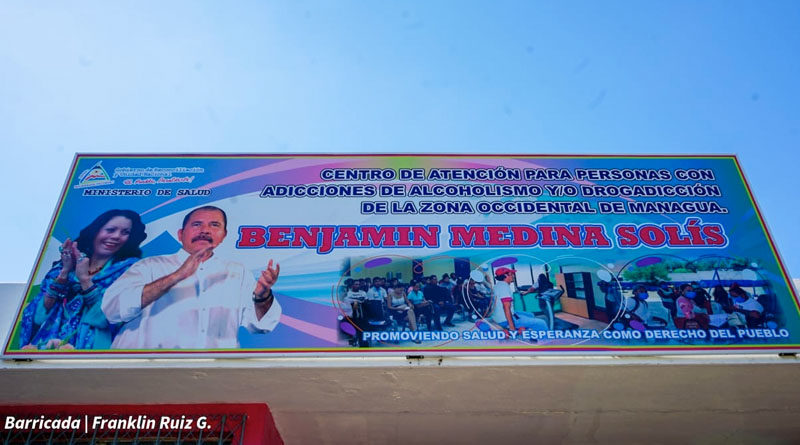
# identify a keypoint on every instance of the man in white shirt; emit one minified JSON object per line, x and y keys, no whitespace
{"x":354,"y":296}
{"x":191,"y":299}
{"x":376,"y":291}
{"x":503,"y":314}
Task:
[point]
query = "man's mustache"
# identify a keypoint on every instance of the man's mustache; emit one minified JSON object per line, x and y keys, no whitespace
{"x":202,"y":237}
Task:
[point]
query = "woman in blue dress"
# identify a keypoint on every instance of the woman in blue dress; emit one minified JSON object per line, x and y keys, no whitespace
{"x":66,"y":313}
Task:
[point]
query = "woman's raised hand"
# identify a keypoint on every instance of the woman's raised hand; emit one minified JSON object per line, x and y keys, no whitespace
{"x":67,"y":257}
{"x":81,"y":264}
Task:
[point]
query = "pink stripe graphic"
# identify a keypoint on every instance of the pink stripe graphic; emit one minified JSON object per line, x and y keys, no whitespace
{"x":312,"y":329}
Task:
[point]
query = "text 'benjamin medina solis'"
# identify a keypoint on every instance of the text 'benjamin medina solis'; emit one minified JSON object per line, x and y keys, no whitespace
{"x":693,"y":233}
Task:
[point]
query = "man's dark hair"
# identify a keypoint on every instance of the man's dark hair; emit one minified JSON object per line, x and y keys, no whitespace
{"x":189,"y":215}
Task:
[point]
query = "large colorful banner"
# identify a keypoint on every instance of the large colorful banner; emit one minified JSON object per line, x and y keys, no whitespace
{"x":264,"y":255}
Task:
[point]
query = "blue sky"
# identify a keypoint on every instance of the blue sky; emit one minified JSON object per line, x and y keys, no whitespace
{"x":443,"y":76}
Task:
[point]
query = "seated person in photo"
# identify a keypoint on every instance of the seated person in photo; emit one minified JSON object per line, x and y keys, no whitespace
{"x":745,"y":304}
{"x":446,"y":283}
{"x":722,"y":313}
{"x":411,"y":286}
{"x":400,"y":306}
{"x":442,"y":302}
{"x":343,"y":288}
{"x":484,"y":288}
{"x":503,"y":313}
{"x":459,"y":293}
{"x":701,"y":299}
{"x":720,"y":300}
{"x":394,"y":282}
{"x":422,"y":307}
{"x":733,"y":318}
{"x":479,"y":300}
{"x":377,"y":291}
{"x":637,"y":309}
{"x":689,"y":318}
{"x":668,"y":296}
{"x":353,"y":297}
{"x":688,"y":291}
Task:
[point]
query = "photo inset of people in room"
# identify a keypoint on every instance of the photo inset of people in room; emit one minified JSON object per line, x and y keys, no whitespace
{"x":514,"y":294}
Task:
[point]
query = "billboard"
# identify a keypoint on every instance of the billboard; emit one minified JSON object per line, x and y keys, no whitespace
{"x":411,"y":254}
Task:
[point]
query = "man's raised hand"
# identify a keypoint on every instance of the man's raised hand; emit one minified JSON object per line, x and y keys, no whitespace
{"x":267,"y":279}
{"x":189,"y":267}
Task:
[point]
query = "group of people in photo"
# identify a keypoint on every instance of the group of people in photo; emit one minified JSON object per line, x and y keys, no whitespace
{"x":432,"y":301}
{"x":685,"y":306}
{"x":426,"y":300}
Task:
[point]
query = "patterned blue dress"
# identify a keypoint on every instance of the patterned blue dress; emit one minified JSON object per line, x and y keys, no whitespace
{"x":75,"y":318}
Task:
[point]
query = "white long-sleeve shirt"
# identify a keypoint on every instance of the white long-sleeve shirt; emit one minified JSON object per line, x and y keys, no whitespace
{"x":203,"y":311}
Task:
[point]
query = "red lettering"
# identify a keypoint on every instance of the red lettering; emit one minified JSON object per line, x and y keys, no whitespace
{"x":326,"y":244}
{"x":462,"y":236}
{"x":595,"y":236}
{"x":497,"y":236}
{"x":695,"y":232}
{"x":714,"y":235}
{"x":426,"y":236}
{"x":568,"y":236}
{"x":383,"y":237}
{"x":547,"y":236}
{"x":303,"y":237}
{"x":652,"y":236}
{"x":626,"y":236}
{"x":347,"y":237}
{"x":675,"y":238}
{"x":404,"y":236}
{"x":251,"y":237}
{"x":524,"y":235}
{"x":276,"y":236}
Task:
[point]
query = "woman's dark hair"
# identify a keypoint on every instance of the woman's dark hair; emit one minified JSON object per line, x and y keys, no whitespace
{"x":721,"y":295}
{"x":129,"y":249}
{"x":542,"y":283}
{"x":701,"y":298}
